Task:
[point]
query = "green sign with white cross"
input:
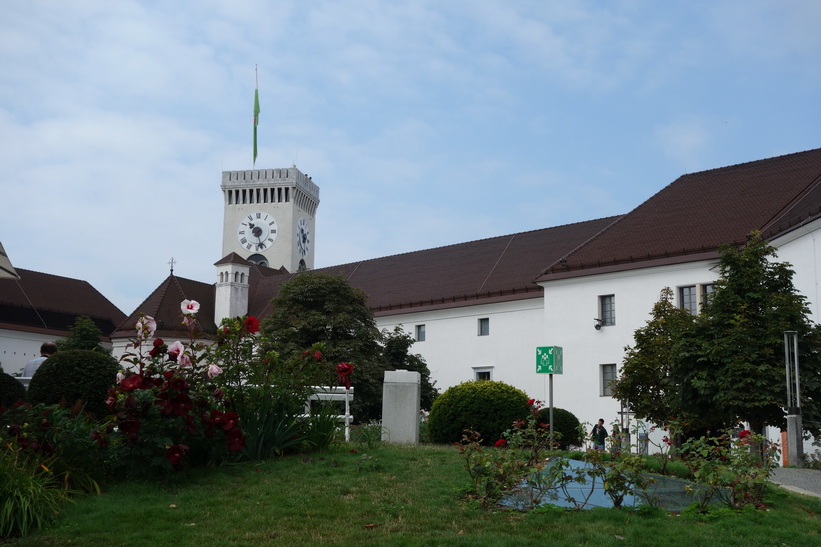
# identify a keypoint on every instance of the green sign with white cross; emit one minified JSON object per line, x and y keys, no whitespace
{"x":549,"y":360}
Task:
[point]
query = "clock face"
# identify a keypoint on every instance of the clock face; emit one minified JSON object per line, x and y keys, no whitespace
{"x":303,"y":237}
{"x":257,"y":232}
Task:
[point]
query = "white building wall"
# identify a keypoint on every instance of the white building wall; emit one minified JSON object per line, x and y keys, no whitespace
{"x":801,"y":249}
{"x":18,"y":348}
{"x":570,"y":307}
{"x":453,"y":350}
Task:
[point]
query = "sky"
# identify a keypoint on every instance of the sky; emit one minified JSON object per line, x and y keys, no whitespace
{"x":424,"y":123}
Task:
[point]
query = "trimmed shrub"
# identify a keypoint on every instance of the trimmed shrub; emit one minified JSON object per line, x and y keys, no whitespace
{"x":75,"y":375}
{"x":565,"y":423}
{"x":485,"y":406}
{"x":11,"y":390}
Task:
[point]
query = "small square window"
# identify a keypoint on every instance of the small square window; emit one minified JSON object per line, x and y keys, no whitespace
{"x":484,"y":326}
{"x":607,"y":374}
{"x":607,"y":310}
{"x":482,"y":373}
{"x":420,"y":333}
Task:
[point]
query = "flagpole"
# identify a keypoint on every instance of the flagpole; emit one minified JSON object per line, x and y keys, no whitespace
{"x":256,"y":113}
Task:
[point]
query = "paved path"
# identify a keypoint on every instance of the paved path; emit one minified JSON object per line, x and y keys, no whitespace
{"x":802,"y":481}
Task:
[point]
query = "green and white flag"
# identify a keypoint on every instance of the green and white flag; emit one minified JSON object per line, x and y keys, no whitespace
{"x":256,"y":119}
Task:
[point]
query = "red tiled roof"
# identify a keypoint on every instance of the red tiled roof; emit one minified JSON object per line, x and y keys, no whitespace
{"x":696,"y":213}
{"x":40,"y":302}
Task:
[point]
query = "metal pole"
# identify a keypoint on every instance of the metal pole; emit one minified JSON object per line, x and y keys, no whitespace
{"x":787,"y":363}
{"x":797,"y":377}
{"x":551,"y":407}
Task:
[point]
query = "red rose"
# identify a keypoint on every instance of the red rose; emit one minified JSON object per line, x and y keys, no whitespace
{"x":175,"y":454}
{"x":251,"y":324}
{"x":235,"y":440}
{"x":343,"y":371}
{"x":501,"y":443}
{"x":530,"y":402}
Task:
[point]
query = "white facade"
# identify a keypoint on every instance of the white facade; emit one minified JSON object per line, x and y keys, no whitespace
{"x":456,"y":352}
{"x":19,"y":347}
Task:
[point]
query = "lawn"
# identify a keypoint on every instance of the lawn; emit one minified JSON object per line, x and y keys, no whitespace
{"x":392,"y":495}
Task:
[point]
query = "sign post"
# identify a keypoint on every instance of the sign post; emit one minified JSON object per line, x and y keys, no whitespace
{"x":549,"y":360}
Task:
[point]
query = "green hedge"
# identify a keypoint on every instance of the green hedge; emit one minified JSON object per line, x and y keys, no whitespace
{"x":485,"y":406}
{"x":564,"y":422}
{"x":75,"y":375}
{"x":11,"y":390}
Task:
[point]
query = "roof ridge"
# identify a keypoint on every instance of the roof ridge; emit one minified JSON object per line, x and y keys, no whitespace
{"x":585,"y":242}
{"x":358,"y":262}
{"x":791,"y":205}
{"x":748,"y":162}
{"x":492,"y":269}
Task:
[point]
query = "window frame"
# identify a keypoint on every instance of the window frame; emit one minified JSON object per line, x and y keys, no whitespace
{"x":483,"y":322}
{"x":606,"y":377}
{"x":607,"y":310}
{"x":419,"y":332}
{"x":488,"y":370}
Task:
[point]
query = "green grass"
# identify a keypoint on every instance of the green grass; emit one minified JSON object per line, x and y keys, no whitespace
{"x":393,"y":495}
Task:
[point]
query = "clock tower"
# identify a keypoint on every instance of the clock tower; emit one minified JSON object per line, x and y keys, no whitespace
{"x":270,"y":217}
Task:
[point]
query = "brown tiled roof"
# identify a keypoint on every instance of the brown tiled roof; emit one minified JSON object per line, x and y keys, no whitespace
{"x":476,"y":272}
{"x":46,"y":303}
{"x":696,"y":213}
{"x":164,"y":306}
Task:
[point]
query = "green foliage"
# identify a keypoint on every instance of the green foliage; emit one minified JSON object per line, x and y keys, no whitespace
{"x":485,"y":406}
{"x":315,"y":307}
{"x":367,"y":435}
{"x":31,"y":495}
{"x":61,"y":438}
{"x":84,"y":334}
{"x":727,"y":364}
{"x":322,"y":428}
{"x":732,"y":361}
{"x":11,"y":390}
{"x":647,"y":382}
{"x":74,"y":375}
{"x":565,"y":426}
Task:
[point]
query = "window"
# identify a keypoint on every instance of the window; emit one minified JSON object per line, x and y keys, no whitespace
{"x":607,"y":374}
{"x":707,"y":291}
{"x":691,"y":297}
{"x":607,"y":310}
{"x":420,"y":333}
{"x":482,"y":373}
{"x":484,"y":326}
{"x":687,"y":297}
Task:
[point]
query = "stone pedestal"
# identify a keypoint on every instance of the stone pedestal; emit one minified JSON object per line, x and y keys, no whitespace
{"x":401,"y":393}
{"x":795,"y":441}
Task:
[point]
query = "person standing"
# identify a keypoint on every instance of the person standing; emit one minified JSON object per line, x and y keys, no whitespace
{"x":599,"y":434}
{"x":47,"y":349}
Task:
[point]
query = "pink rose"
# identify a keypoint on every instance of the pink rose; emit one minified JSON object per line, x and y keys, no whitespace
{"x":214,"y":371}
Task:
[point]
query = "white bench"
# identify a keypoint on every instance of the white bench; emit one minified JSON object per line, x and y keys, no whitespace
{"x":333,"y":393}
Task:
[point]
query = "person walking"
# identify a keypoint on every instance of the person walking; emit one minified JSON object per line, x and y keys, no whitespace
{"x":598,"y":435}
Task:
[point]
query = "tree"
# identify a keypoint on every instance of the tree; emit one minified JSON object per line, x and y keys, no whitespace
{"x":316,"y":307}
{"x":647,"y":383}
{"x":84,"y":334}
{"x":397,"y":355}
{"x":731,"y":363}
